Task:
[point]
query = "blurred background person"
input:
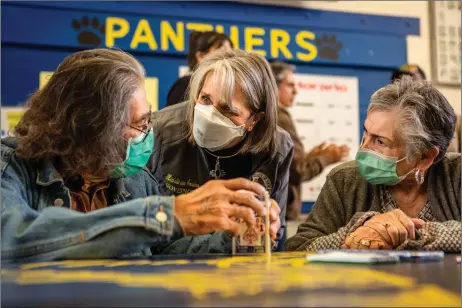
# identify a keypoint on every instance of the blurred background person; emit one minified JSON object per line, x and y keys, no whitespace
{"x":417,"y":73}
{"x":305,"y":166}
{"x":200,"y":44}
{"x":412,"y":70}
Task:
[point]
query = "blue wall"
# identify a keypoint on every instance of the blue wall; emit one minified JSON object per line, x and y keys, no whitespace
{"x":36,"y":36}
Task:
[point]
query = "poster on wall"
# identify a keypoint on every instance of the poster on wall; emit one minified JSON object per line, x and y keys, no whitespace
{"x":183,"y":70}
{"x":326,"y":109}
{"x":10,"y":116}
{"x":446,"y":41}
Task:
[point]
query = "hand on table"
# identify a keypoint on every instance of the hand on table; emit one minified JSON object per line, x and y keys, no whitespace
{"x":384,"y":231}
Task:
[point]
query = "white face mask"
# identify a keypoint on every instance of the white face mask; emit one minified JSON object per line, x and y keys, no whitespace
{"x":212,"y":130}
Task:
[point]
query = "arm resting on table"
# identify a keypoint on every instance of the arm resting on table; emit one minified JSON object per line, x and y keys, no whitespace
{"x":326,"y":226}
{"x":445,"y":236}
{"x":61,"y":233}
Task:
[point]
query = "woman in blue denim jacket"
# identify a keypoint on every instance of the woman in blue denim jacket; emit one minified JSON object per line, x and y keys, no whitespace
{"x":73,"y":178}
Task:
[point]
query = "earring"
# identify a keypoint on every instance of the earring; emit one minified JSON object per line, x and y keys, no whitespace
{"x":419,"y":176}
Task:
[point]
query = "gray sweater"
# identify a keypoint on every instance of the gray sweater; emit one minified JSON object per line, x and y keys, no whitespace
{"x":347,"y":201}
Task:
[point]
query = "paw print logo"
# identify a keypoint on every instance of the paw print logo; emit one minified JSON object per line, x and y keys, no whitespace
{"x":328,"y":47}
{"x":90,"y":31}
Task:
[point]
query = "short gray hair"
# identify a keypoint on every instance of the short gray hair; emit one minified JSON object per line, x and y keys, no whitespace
{"x":279,"y":69}
{"x":252,"y":73}
{"x":426,"y":119}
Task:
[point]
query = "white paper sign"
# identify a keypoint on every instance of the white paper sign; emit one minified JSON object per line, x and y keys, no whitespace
{"x":183,"y":70}
{"x":446,"y":41}
{"x":10,"y":116}
{"x":326,"y":109}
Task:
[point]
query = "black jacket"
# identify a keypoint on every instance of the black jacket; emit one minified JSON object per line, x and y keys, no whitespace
{"x":177,"y":92}
{"x":181,"y":166}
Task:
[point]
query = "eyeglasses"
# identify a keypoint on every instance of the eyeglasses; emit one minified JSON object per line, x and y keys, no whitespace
{"x":146,"y":130}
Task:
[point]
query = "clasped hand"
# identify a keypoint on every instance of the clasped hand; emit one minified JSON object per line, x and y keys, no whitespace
{"x":383,"y":231}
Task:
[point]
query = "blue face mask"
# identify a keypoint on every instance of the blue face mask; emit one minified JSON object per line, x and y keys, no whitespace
{"x":139,"y":150}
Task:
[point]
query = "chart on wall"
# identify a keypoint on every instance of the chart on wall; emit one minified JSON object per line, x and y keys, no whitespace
{"x":326,"y":109}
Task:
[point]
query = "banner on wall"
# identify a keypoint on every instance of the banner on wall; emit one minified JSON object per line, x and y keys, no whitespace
{"x":326,"y":109}
{"x":156,"y":34}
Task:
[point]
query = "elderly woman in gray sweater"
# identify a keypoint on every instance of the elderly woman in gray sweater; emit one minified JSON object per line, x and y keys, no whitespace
{"x":403,"y":189}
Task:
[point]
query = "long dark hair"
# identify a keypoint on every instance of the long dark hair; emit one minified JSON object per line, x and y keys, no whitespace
{"x":80,"y":116}
{"x":203,"y":42}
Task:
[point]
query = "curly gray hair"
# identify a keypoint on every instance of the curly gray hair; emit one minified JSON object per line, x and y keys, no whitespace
{"x":426,"y":119}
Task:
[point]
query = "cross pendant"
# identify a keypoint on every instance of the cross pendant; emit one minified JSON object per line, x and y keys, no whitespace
{"x":217,"y":173}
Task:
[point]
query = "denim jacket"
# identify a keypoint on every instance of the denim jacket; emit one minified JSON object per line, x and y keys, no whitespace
{"x":38,"y":224}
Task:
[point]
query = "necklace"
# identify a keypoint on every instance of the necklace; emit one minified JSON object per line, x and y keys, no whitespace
{"x":217,"y":173}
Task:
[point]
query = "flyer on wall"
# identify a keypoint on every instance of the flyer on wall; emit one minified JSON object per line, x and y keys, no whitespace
{"x":326,"y":109}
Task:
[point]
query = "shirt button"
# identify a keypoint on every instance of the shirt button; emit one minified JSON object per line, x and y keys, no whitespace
{"x":161,"y":217}
{"x":59,"y":202}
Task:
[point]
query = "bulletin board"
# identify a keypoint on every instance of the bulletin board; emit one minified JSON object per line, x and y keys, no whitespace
{"x":445,"y":41}
{"x":37,"y":36}
{"x":325,"y":110}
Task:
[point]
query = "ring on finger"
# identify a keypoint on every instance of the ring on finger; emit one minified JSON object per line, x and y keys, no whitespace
{"x":364,"y":242}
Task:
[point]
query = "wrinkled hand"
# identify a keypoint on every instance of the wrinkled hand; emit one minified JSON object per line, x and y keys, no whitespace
{"x":389,"y":230}
{"x":275,"y":221}
{"x":215,"y":205}
{"x":335,"y":153}
{"x":332,"y":153}
{"x":365,"y":238}
{"x":315,"y":150}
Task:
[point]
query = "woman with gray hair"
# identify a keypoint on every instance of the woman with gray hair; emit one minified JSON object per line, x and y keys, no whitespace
{"x":226,"y":130}
{"x":73,"y":178}
{"x":403,"y":190}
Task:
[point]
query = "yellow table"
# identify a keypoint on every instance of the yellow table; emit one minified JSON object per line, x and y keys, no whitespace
{"x":212,"y":280}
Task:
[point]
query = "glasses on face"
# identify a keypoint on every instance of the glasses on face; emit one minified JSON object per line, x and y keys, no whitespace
{"x":146,"y":128}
